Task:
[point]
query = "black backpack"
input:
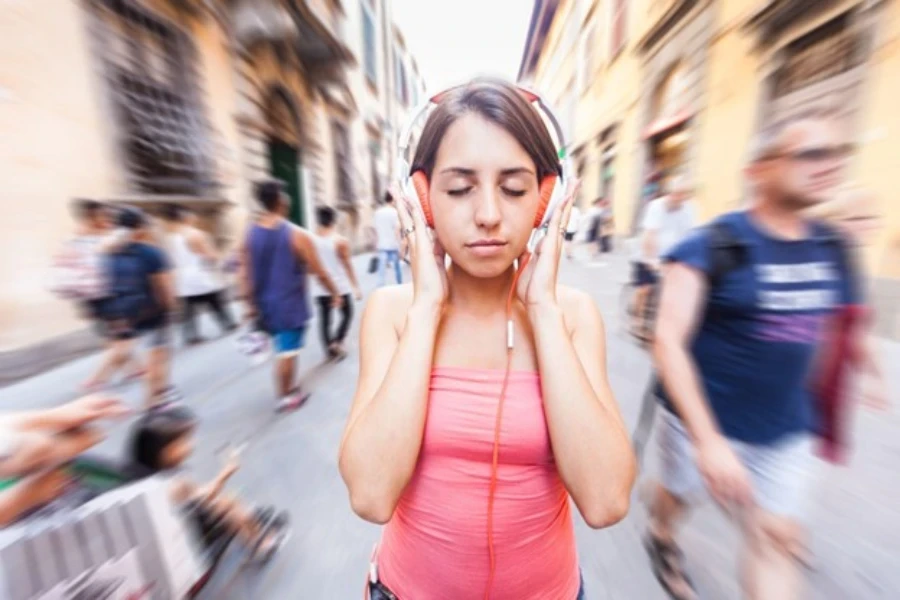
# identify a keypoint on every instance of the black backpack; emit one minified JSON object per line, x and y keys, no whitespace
{"x":131,"y":293}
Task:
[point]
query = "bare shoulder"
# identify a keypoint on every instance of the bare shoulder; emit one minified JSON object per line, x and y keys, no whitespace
{"x":390,"y":304}
{"x":579,"y":309}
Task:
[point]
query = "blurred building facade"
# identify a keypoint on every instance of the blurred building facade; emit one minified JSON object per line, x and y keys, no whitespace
{"x":667,"y":86}
{"x":145,"y":102}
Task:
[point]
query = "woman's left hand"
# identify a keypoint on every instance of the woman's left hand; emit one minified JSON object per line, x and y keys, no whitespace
{"x":537,"y":284}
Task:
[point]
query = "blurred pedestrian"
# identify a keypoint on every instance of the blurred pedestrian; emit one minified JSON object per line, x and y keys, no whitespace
{"x":666,"y":221}
{"x":744,"y":302}
{"x":334,"y":252}
{"x":80,"y":271}
{"x":276,"y":259}
{"x":140,"y":305}
{"x":572,"y":229}
{"x":606,"y":227}
{"x":198,"y":276}
{"x":387,"y":232}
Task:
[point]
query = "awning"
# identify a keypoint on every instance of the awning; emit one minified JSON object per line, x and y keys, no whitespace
{"x":666,"y":124}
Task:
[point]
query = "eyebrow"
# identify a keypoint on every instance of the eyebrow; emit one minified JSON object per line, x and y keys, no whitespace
{"x":466,"y":172}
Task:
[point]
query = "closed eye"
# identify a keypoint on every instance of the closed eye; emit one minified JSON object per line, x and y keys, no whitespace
{"x":513,"y":193}
{"x":458,"y":192}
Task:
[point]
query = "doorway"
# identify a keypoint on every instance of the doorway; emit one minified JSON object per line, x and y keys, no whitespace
{"x":285,"y":165}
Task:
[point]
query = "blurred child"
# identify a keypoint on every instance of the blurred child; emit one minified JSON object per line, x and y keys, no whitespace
{"x":161,"y":442}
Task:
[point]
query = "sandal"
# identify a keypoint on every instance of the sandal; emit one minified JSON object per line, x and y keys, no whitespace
{"x":667,"y":561}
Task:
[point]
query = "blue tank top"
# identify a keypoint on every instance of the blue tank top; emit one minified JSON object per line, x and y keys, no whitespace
{"x":279,"y":278}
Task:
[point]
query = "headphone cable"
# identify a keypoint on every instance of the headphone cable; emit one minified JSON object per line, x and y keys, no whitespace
{"x":495,"y":459}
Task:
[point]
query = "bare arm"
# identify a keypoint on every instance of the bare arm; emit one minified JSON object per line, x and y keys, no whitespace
{"x":303,"y":246}
{"x":245,"y":275}
{"x":211,"y":490}
{"x":684,"y":290}
{"x":590,"y":443}
{"x":31,"y":492}
{"x":649,"y":245}
{"x":31,"y":451}
{"x":681,"y":303}
{"x":343,"y":250}
{"x":384,"y":432}
{"x":164,"y":288}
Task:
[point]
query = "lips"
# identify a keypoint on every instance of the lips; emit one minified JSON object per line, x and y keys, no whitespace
{"x":486,"y":247}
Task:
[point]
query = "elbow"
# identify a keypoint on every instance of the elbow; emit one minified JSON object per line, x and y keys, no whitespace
{"x":369,"y":502}
{"x":372,"y":508}
{"x":614,"y":501}
{"x":608,"y":511}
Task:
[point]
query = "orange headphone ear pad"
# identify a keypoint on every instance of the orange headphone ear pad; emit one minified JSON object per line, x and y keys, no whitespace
{"x":420,"y":182}
{"x":546,"y":190}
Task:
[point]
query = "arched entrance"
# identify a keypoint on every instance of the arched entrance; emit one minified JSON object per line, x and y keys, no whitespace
{"x":284,"y":148}
{"x":668,"y":133}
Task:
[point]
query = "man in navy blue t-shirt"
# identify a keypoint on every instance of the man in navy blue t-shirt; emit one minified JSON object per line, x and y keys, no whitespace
{"x":734,"y":351}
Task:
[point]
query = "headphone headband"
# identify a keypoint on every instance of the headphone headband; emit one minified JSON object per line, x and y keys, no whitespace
{"x":529,"y":95}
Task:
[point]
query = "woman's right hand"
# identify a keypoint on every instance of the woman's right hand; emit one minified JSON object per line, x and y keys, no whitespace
{"x":426,"y":255}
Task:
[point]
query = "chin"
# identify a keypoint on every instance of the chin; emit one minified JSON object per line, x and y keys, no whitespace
{"x":484,"y":268}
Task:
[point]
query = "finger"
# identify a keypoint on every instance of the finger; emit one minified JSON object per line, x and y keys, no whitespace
{"x":556,"y":218}
{"x":406,"y":221}
{"x":570,"y":202}
{"x":421,"y":227}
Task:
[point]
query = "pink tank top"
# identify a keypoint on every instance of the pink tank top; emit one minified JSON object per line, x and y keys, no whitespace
{"x":435,"y":546}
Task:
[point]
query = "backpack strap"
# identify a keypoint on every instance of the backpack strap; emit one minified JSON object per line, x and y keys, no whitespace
{"x":726,"y":251}
{"x":833,"y":238}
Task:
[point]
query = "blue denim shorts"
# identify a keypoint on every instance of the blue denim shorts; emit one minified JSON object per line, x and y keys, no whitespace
{"x":287,"y":342}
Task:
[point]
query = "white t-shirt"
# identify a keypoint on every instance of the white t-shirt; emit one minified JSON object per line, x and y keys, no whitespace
{"x":387,"y":221}
{"x":574,"y":220}
{"x":670,"y":225}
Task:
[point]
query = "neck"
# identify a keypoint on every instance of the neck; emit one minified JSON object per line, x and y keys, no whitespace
{"x":269,"y":218}
{"x":780,"y":218}
{"x":324,"y":231}
{"x":478,"y":295}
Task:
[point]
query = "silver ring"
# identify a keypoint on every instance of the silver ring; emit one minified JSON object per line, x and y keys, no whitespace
{"x":408,"y":231}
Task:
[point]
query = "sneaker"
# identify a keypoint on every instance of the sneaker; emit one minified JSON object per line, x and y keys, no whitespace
{"x":292,"y":402}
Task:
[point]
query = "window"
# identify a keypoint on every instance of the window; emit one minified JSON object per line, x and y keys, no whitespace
{"x":151,"y":68}
{"x":373,"y":168}
{"x":370,"y":58}
{"x":586,"y":66}
{"x":342,"y":167}
{"x":400,"y":85}
{"x":826,"y":52}
{"x":618,"y":24}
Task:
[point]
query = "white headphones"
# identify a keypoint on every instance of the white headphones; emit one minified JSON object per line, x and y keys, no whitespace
{"x":416,"y":184}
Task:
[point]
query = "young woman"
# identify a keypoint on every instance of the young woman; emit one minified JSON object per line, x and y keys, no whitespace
{"x":474,"y":490}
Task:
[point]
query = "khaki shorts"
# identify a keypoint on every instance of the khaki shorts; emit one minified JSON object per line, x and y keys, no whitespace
{"x":780,"y":473}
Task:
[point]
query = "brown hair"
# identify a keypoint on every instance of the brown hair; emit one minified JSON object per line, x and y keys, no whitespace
{"x":500,"y":103}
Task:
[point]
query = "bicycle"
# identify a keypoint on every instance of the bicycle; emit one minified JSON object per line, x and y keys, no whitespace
{"x":638,"y":327}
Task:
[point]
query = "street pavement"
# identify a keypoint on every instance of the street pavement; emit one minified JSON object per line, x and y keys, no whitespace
{"x":291,"y":462}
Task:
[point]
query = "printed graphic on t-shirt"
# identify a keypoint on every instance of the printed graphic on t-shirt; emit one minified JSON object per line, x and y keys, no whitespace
{"x":794,"y":315}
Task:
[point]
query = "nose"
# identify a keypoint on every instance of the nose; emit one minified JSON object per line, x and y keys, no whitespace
{"x":487,"y":209}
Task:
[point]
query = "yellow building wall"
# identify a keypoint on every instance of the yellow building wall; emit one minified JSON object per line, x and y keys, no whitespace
{"x":878,"y":161}
{"x":728,"y":120}
{"x":54,"y":147}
